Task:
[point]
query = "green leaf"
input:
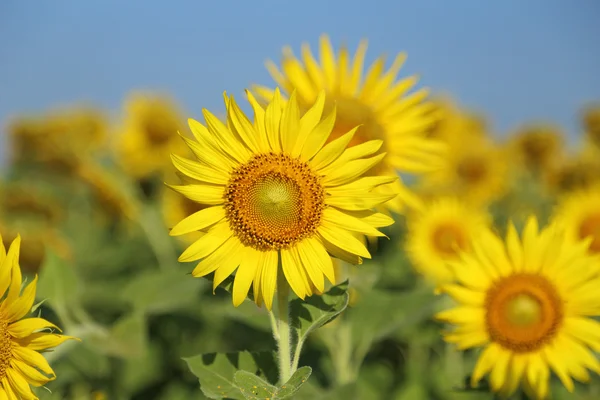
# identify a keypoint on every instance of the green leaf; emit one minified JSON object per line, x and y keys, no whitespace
{"x":252,"y":387}
{"x":216,"y":371}
{"x":126,"y":339}
{"x":58,"y":282}
{"x":316,"y":311}
{"x":156,"y":292}
{"x":294,"y":384}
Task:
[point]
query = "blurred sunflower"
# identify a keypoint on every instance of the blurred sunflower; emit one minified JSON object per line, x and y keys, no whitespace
{"x":61,"y":140}
{"x":378,"y":104}
{"x":536,"y":147}
{"x":591,"y":124}
{"x":438,"y":233}
{"x":529,"y":303}
{"x":25,"y":209}
{"x":21,"y":364}
{"x":276,"y":192}
{"x":577,"y":172}
{"x":476,"y":173}
{"x":149,"y":135}
{"x":579,"y":215}
{"x":453,"y":125}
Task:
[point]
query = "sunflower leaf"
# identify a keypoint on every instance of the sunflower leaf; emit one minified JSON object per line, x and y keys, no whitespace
{"x":216,"y":372}
{"x":253,"y":387}
{"x":298,"y":379}
{"x":316,"y":311}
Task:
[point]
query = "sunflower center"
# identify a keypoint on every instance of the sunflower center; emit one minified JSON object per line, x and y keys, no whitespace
{"x":591,"y":227}
{"x":472,"y":169}
{"x":523,"y":312}
{"x":351,"y":113}
{"x":448,"y":239}
{"x":5,"y":349}
{"x":274,"y":201}
{"x":159,"y":128}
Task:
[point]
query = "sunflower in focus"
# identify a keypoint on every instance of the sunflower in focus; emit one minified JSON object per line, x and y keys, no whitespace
{"x":438,"y":233}
{"x":591,"y":124}
{"x":376,"y":102}
{"x":579,"y":215}
{"x":149,"y":135}
{"x":21,"y":339}
{"x":475,"y":171}
{"x":536,"y":147}
{"x":530,"y":304}
{"x":279,"y":199}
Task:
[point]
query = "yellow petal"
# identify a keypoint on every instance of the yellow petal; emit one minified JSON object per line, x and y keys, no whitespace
{"x":243,"y":126}
{"x":272,"y":120}
{"x":44,"y":340}
{"x":208,"y":243}
{"x":244,"y":277}
{"x":32,"y":358}
{"x":344,"y":240}
{"x":308,"y":122}
{"x":227,"y":140}
{"x":21,"y":306}
{"x":269,"y":277}
{"x":19,"y":384}
{"x":352,"y":171}
{"x":26,"y":327}
{"x":292,"y":274}
{"x":327,"y":61}
{"x":319,"y":135}
{"x":204,"y":194}
{"x":290,"y":121}
{"x":218,"y":257}
{"x":342,"y":220}
{"x":259,"y":123}
{"x":331,"y":151}
{"x":199,"y":220}
{"x":11,"y":260}
{"x":198,"y":171}
{"x":32,"y":375}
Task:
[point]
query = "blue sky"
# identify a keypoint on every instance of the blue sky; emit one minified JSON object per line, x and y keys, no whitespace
{"x":515,"y":60}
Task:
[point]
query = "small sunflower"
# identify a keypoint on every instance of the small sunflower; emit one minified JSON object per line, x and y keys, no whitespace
{"x":530,"y":304}
{"x":591,"y":123}
{"x":278,"y":197}
{"x":536,"y":147}
{"x":149,"y":135}
{"x":475,"y":171}
{"x":377,"y":103}
{"x":574,"y":173}
{"x":21,"y":339}
{"x":61,"y":139}
{"x":438,"y":233}
{"x":579,"y":215}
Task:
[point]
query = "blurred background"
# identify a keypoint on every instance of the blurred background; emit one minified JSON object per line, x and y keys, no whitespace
{"x":92,"y":92}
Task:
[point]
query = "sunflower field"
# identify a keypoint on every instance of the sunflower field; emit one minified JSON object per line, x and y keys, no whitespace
{"x":337,"y":233}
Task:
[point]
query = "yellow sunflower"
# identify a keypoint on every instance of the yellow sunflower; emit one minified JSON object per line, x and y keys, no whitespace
{"x":591,"y":123}
{"x":149,"y":135}
{"x":536,"y":147}
{"x":475,"y":171}
{"x":21,"y":339}
{"x":377,"y":103}
{"x":175,"y":207}
{"x":579,"y":215}
{"x":574,"y":173}
{"x":530,"y":304}
{"x":438,"y":233}
{"x":278,"y":197}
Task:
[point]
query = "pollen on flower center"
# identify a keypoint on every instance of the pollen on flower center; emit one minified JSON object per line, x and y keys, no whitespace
{"x":523,"y":312}
{"x":273,"y":201}
{"x":5,"y":349}
{"x":591,"y":227}
{"x":448,"y":239}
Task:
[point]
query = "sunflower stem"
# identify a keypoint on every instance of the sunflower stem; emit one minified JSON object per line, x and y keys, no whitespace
{"x":283,"y":329}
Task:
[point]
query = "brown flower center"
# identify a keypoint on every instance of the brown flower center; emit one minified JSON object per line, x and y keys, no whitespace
{"x":523,"y":312}
{"x":590,"y":227}
{"x":5,"y":349}
{"x":448,"y":239}
{"x":472,"y":170}
{"x":274,"y":201}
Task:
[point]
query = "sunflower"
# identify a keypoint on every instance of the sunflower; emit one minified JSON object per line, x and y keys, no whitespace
{"x":579,"y":215}
{"x":175,"y":207}
{"x":61,"y":139}
{"x":529,"y":303}
{"x":591,"y":123}
{"x":574,"y":173}
{"x":536,"y":147}
{"x":20,"y":339}
{"x":378,"y":104}
{"x":475,"y":171}
{"x":149,"y":135}
{"x":437,"y":233}
{"x":277,"y":195}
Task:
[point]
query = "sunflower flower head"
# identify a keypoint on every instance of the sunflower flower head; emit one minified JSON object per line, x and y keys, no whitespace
{"x":21,"y":339}
{"x":591,"y":123}
{"x":438,"y":233}
{"x":529,"y":303}
{"x":579,"y":215}
{"x":536,"y":147}
{"x":149,"y":135}
{"x":280,"y":200}
{"x":376,"y":102}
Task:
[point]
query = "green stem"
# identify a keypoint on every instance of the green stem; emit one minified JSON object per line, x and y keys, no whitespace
{"x":283,"y":329}
{"x":160,"y":242}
